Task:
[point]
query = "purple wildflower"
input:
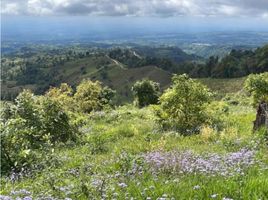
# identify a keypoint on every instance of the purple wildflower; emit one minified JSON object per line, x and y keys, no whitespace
{"x":3,"y":197}
{"x":122,"y":185}
{"x":187,"y":162}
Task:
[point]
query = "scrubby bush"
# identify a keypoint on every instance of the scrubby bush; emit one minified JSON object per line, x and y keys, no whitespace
{"x":33,"y":124}
{"x":257,"y":85}
{"x":146,"y":92}
{"x":183,"y":105}
{"x":55,"y":121}
{"x":91,"y":96}
{"x":87,"y":96}
{"x":106,"y":96}
{"x":63,"y":94}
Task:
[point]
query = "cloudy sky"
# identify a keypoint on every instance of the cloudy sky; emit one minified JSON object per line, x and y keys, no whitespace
{"x":31,"y":18}
{"x":152,"y":8}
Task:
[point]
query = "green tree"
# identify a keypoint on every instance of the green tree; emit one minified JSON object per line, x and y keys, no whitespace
{"x":146,"y":92}
{"x":29,"y":126}
{"x":55,"y":121}
{"x":63,"y":94}
{"x":183,"y":105}
{"x":88,"y":95}
{"x":257,"y":86}
{"x":107,"y":95}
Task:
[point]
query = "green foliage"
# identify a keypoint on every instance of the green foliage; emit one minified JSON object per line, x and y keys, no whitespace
{"x":16,"y":144}
{"x":217,"y":112}
{"x":87,"y":96}
{"x":55,"y":121}
{"x":237,"y":63}
{"x":125,"y":130}
{"x":107,"y":165}
{"x":257,"y":85}
{"x":110,"y":161}
{"x":146,"y":92}
{"x":97,"y":143}
{"x":91,"y":96}
{"x":106,"y":96}
{"x":63,"y":95}
{"x":32,"y":123}
{"x":183,"y":105}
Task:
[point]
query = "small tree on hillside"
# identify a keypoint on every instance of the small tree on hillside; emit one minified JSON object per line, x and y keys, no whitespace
{"x":29,"y":126}
{"x":63,"y":94}
{"x":183,"y":105}
{"x":106,"y":96}
{"x":257,"y":86}
{"x":146,"y":92}
{"x":87,"y":96}
{"x":91,"y":96}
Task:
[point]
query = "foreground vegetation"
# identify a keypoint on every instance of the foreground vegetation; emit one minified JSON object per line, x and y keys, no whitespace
{"x":124,"y":152}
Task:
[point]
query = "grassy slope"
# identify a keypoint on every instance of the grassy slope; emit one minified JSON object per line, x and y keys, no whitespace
{"x":114,"y":141}
{"x":119,"y":78}
{"x":224,"y":86}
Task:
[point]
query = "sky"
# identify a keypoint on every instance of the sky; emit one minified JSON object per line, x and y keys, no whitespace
{"x":107,"y":16}
{"x":141,"y":8}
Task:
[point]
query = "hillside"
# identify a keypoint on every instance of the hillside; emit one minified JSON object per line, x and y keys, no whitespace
{"x":74,"y":143}
{"x":239,"y":63}
{"x":39,"y":68}
{"x":95,"y":67}
{"x":174,"y":54}
{"x":121,"y":154}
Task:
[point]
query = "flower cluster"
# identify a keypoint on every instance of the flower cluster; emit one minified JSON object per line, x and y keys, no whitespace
{"x":214,"y":164}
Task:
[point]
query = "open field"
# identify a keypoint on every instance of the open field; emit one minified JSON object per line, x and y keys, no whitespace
{"x":122,"y":155}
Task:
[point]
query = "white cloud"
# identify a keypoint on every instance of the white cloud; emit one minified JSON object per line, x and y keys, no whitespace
{"x":265,"y":15}
{"x":11,"y":8}
{"x":137,"y":7}
{"x":229,"y":10}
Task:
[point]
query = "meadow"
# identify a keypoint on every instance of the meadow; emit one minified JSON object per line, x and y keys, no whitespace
{"x":122,"y":153}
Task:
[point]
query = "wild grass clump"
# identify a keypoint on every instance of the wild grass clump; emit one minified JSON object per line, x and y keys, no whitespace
{"x":97,"y":144}
{"x":125,"y":130}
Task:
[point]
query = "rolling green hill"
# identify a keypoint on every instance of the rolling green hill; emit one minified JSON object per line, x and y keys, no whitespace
{"x":119,"y":68}
{"x":95,"y":67}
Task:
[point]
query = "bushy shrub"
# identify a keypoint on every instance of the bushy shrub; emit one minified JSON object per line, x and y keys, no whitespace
{"x":87,"y":96}
{"x":257,"y":85}
{"x":63,"y":95}
{"x":217,"y":114}
{"x":146,"y":92}
{"x":183,"y":105}
{"x":15,"y":144}
{"x":91,"y":96}
{"x":32,"y":124}
{"x":55,"y":122}
{"x":106,"y":96}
